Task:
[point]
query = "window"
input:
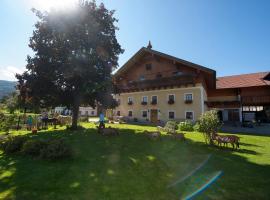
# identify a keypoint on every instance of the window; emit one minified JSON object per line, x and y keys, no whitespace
{"x":144,"y":113}
{"x":92,"y":112}
{"x":154,"y":100}
{"x":189,"y":115}
{"x":142,"y":78}
{"x":188,"y":97}
{"x":171,"y":115}
{"x":177,"y":73}
{"x":130,"y":113}
{"x":144,"y":99}
{"x":118,"y":113}
{"x":118,"y":102}
{"x":148,"y":66}
{"x":129,"y":99}
{"x":171,"y":97}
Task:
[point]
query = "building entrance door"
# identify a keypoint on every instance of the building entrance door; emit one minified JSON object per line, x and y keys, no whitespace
{"x":233,"y":115}
{"x":154,"y":116}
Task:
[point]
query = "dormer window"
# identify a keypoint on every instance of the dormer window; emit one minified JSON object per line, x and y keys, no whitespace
{"x":148,"y":66}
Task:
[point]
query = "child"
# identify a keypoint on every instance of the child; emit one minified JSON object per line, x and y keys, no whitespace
{"x":101,"y":121}
{"x":29,"y":122}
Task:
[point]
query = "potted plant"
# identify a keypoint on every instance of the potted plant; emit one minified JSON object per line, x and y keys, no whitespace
{"x":144,"y":103}
{"x":188,"y":101}
{"x":171,"y":101}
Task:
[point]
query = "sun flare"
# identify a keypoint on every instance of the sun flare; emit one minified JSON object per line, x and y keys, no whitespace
{"x":53,"y":4}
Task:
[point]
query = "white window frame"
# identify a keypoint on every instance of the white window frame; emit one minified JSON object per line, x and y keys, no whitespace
{"x":131,"y":112}
{"x":173,"y":112}
{"x":146,"y":99}
{"x":193,"y":117}
{"x":130,"y":98}
{"x":187,"y":94}
{"x":146,"y":114}
{"x":170,"y":95}
{"x":154,"y":96}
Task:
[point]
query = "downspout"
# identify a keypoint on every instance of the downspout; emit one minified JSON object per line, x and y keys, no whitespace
{"x":202,"y":100}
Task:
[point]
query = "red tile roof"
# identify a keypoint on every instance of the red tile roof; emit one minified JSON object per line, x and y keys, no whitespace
{"x":243,"y":80}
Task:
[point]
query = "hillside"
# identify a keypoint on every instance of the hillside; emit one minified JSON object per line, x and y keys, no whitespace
{"x":6,"y":87}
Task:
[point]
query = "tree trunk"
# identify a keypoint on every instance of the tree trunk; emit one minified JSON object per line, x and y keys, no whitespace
{"x":75,"y":112}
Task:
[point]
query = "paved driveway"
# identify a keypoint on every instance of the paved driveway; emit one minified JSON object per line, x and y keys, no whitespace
{"x":263,"y":129}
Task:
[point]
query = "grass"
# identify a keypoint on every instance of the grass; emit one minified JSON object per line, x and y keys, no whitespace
{"x":133,"y":167}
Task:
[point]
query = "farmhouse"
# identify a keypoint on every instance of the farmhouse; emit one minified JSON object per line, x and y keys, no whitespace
{"x":153,"y":86}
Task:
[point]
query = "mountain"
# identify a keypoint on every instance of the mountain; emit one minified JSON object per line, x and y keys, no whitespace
{"x":6,"y":87}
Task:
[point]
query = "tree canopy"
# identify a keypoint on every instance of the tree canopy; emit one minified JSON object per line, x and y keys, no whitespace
{"x":75,"y":53}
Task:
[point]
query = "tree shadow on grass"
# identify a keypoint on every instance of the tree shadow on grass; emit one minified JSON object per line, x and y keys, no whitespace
{"x":131,"y":166}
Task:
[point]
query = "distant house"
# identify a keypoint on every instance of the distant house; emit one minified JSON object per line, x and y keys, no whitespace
{"x":88,"y":111}
{"x":83,"y":111}
{"x":153,"y":86}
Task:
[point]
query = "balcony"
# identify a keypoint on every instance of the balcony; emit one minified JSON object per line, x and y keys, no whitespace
{"x":256,"y":100}
{"x":223,"y":104}
{"x":184,"y":79}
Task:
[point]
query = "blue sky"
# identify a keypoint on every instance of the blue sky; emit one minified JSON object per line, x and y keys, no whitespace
{"x":231,"y":37}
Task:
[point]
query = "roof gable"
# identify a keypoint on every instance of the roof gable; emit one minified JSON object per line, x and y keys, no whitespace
{"x":136,"y":57}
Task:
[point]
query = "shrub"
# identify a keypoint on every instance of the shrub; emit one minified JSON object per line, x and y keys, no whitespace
{"x":185,"y":126}
{"x":13,"y":144}
{"x":7,"y":121}
{"x":33,"y":147}
{"x":208,"y":124}
{"x":55,"y":149}
{"x":196,"y":127}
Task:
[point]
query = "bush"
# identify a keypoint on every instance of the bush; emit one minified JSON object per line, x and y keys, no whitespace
{"x":208,"y":124}
{"x":7,"y":121}
{"x":196,"y":127}
{"x":13,"y":144}
{"x":185,"y":126}
{"x":55,"y":149}
{"x":33,"y":147}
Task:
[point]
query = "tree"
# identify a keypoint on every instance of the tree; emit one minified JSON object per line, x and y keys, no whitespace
{"x":10,"y":102}
{"x":75,"y":54}
{"x":208,"y":124}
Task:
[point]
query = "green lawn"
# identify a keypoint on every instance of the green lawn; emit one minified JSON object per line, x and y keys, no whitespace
{"x":131,"y":166}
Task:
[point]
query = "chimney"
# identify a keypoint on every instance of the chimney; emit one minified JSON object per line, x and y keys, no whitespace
{"x":149,"y":46}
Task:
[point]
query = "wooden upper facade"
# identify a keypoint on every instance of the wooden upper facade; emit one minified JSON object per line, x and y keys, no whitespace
{"x":151,"y":70}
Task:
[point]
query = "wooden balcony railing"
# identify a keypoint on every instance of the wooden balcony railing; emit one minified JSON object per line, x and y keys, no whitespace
{"x":223,"y":104}
{"x":157,"y":83}
{"x":256,"y":100}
